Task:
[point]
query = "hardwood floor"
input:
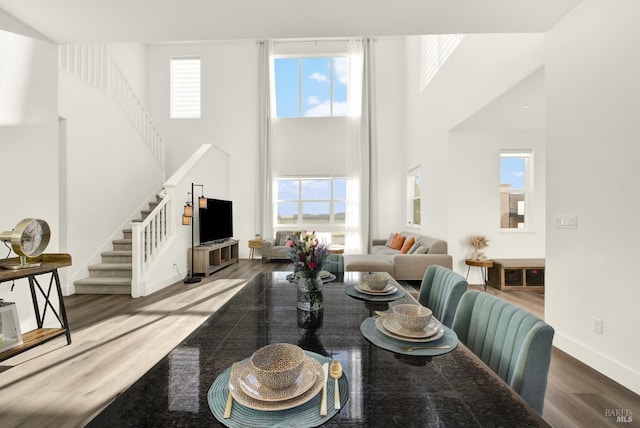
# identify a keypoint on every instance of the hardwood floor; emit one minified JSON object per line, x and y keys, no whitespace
{"x":116,"y":339}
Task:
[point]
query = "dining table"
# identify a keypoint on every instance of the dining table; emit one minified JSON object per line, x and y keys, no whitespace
{"x":383,"y":384}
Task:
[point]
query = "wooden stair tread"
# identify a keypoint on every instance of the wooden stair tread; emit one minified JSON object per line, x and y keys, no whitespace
{"x":103,"y":280}
{"x":112,"y":266}
{"x":117,"y":252}
{"x":113,"y":275}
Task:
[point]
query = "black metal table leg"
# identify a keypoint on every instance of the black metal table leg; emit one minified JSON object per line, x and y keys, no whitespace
{"x":63,"y":311}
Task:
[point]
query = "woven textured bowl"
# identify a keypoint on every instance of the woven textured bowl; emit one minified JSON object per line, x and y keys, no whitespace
{"x":412,"y":317}
{"x":377,"y":281}
{"x":277,"y":366}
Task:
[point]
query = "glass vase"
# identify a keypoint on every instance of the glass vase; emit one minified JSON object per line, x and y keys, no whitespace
{"x":310,"y":290}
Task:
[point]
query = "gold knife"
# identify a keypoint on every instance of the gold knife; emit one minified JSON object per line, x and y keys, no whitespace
{"x":227,"y":410}
{"x":323,"y":401}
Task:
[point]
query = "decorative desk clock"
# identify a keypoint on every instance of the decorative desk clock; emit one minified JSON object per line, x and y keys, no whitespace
{"x":29,"y":239}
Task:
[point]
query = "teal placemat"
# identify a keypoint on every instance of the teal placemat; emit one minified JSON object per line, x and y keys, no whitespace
{"x":305,"y":415}
{"x":350,"y":290}
{"x":369,"y":330}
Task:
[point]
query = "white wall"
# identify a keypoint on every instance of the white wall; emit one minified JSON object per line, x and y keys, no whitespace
{"x":474,"y":207}
{"x":131,"y":58}
{"x":110,"y":173}
{"x":514,"y":120}
{"x":229,"y":111}
{"x":480,"y":69}
{"x":28,"y":146}
{"x":593,"y":92}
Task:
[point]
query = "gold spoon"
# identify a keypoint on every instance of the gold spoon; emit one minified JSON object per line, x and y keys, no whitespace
{"x":336,"y":373}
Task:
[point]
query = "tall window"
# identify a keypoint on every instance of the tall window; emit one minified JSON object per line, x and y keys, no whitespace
{"x":185,"y":88}
{"x":309,"y":201}
{"x":515,"y":188}
{"x":414,"y":198}
{"x":311,"y":87}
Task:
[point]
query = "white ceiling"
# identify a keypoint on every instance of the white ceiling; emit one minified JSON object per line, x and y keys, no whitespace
{"x":66,"y":21}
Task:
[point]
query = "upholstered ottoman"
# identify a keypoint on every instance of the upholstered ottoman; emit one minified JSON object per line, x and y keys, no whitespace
{"x":369,"y":263}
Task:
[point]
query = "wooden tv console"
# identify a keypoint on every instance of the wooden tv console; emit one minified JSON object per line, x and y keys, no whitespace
{"x":210,"y":258}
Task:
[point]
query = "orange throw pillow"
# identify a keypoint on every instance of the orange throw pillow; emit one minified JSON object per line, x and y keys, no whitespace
{"x":397,"y":241}
{"x":407,"y":245}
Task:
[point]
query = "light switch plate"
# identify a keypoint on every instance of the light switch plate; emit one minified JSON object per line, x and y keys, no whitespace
{"x":598,"y":325}
{"x":566,"y":222}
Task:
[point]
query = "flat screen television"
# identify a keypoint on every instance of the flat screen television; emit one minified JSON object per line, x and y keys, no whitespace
{"x":216,"y":221}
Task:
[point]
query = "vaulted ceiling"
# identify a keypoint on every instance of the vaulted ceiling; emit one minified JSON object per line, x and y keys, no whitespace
{"x":66,"y":21}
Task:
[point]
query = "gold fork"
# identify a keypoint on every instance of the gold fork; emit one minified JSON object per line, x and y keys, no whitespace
{"x":227,"y":410}
{"x":413,"y":348}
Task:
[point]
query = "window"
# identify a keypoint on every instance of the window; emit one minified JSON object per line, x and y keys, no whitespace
{"x":414,"y":198}
{"x":311,"y":201}
{"x":515,"y":189}
{"x":185,"y":88}
{"x":311,"y":86}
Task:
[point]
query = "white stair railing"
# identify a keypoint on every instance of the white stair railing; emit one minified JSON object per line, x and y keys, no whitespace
{"x":150,"y":239}
{"x":93,"y":64}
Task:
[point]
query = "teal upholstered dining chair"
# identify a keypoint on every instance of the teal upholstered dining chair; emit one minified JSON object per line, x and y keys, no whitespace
{"x":334,"y":263}
{"x":440,"y":291}
{"x":514,"y":343}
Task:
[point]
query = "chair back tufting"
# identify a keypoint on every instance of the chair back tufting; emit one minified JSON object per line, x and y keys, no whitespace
{"x":514,"y":343}
{"x":440,"y":291}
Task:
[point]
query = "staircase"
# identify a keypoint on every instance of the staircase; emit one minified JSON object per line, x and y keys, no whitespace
{"x":113,"y":275}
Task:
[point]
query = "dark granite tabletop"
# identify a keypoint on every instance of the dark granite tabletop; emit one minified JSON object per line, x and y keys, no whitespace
{"x":385,"y":389}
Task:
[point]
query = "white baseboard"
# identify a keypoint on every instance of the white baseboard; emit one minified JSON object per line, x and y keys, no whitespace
{"x":618,"y":372}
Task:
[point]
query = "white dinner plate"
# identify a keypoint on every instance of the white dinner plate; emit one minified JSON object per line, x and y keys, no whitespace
{"x":386,"y":332}
{"x":251,"y":385}
{"x":269,"y":406}
{"x":364,"y":288}
{"x":391,"y":323}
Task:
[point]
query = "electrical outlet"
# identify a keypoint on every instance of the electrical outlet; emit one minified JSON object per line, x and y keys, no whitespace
{"x":598,"y":325}
{"x":566,"y":222}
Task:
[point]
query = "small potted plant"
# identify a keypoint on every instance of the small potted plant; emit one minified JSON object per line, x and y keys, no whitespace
{"x":478,"y":242}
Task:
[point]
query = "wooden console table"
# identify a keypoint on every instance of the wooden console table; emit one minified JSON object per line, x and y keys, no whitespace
{"x":50,"y":265}
{"x":517,"y":274}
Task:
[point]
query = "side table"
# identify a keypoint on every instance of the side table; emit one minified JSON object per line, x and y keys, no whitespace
{"x":42,"y":304}
{"x":483,"y":265}
{"x":253,"y":244}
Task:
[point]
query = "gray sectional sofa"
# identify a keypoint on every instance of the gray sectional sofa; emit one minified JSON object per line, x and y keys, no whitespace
{"x":428,"y":251}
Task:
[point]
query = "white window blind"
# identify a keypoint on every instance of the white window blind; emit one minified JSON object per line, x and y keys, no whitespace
{"x":185,"y":88}
{"x":435,"y":49}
